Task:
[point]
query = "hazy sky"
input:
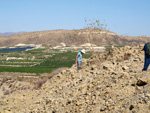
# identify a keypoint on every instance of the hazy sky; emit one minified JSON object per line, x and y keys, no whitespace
{"x":125,"y":17}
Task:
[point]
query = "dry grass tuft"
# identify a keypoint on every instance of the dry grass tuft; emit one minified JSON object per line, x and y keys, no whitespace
{"x":41,"y":81}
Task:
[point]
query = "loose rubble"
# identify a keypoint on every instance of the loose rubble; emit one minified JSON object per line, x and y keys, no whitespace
{"x":108,"y":82}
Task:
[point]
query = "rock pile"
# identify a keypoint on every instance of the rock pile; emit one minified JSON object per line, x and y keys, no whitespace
{"x":10,"y":84}
{"x":108,"y":82}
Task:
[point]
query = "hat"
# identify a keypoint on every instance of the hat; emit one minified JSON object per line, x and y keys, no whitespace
{"x":83,"y":51}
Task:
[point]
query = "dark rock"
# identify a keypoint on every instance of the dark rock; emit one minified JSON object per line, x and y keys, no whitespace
{"x":141,"y":83}
{"x":131,"y":107}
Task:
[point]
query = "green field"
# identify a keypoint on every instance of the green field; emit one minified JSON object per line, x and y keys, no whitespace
{"x":42,"y":60}
{"x":37,"y":60}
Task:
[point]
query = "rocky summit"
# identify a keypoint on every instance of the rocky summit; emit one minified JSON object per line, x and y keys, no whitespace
{"x":111,"y":82}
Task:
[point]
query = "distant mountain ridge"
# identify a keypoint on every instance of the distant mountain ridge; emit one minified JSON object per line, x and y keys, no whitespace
{"x":10,"y":33}
{"x":72,"y":37}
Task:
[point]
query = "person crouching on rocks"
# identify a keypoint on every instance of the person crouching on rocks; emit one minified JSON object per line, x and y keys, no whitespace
{"x":79,"y":59}
{"x":147,"y":56}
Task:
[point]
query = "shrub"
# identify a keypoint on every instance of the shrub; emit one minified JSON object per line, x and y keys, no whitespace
{"x":39,"y":83}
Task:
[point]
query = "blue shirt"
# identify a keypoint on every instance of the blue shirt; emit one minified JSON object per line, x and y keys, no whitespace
{"x":79,"y":59}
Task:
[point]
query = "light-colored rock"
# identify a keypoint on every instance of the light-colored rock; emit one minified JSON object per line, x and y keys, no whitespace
{"x":108,"y":82}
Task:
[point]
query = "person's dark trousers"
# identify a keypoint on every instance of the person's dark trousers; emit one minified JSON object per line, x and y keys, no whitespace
{"x":146,"y":63}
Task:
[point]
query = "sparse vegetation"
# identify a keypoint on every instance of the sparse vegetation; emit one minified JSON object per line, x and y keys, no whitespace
{"x":108,"y":48}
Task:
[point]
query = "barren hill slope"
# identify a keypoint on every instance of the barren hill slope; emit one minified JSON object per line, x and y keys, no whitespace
{"x":108,"y":82}
{"x":71,"y":37}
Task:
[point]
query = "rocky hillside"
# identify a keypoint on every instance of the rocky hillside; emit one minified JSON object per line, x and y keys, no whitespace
{"x":108,"y":82}
{"x":72,"y":37}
